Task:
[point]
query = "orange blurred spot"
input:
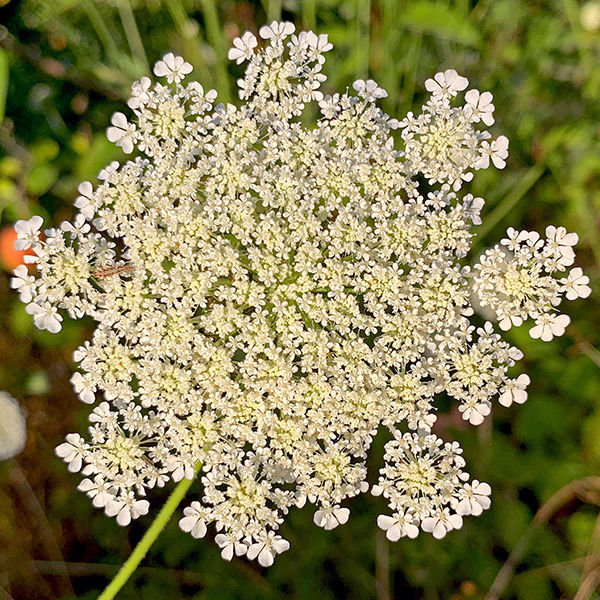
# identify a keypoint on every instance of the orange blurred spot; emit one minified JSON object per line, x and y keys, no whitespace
{"x":9,"y":256}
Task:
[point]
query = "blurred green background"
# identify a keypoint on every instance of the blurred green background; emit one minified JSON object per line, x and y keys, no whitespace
{"x":67,"y":65}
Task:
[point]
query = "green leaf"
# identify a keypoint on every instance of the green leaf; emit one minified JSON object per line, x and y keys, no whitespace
{"x":100,"y":153}
{"x":440,"y":21}
{"x":40,"y":179}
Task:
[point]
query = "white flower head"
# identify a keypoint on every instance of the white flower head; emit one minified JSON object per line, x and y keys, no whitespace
{"x":276,"y":32}
{"x":400,"y":525}
{"x":331,"y":516}
{"x":446,"y":83}
{"x":28,"y":233}
{"x":174,"y":68}
{"x":548,"y":326}
{"x":369,"y":90}
{"x":24,"y":283}
{"x":122,"y":133}
{"x":267,"y":548}
{"x":479,"y":107}
{"x":267,"y":294}
{"x":515,"y":391}
{"x":575,"y":285}
{"x":46,"y":316}
{"x":193,"y":520}
{"x":243,"y":48}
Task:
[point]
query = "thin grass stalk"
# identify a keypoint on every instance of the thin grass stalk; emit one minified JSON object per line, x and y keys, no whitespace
{"x":132,"y":33}
{"x":216,"y":39}
{"x":362,"y":38}
{"x":102,"y":31}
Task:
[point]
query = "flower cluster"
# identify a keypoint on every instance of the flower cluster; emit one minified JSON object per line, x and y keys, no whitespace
{"x":515,"y":280}
{"x":267,"y":296}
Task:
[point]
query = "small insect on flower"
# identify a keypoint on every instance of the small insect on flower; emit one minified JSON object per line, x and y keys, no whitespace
{"x":111,"y":271}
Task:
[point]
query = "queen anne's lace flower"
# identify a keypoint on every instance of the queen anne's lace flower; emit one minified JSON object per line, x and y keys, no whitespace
{"x":174,"y":68}
{"x":243,"y":48}
{"x":268,"y":295}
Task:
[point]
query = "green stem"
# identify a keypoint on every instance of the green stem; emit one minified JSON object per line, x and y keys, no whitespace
{"x":363,"y":34}
{"x":309,"y":15}
{"x":218,"y":42}
{"x":131,"y":564}
{"x":274,"y":11}
{"x":132,"y":33}
{"x":102,"y":31}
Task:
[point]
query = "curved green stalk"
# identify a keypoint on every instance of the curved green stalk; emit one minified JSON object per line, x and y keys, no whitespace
{"x":131,"y":564}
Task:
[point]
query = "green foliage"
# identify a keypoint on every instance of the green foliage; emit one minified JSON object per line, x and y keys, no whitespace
{"x":67,"y":65}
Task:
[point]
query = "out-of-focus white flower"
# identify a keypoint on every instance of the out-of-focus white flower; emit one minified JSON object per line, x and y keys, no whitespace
{"x":13,"y":430}
{"x":590,"y":16}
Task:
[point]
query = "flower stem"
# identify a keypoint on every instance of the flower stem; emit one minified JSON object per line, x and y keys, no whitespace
{"x":131,"y":564}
